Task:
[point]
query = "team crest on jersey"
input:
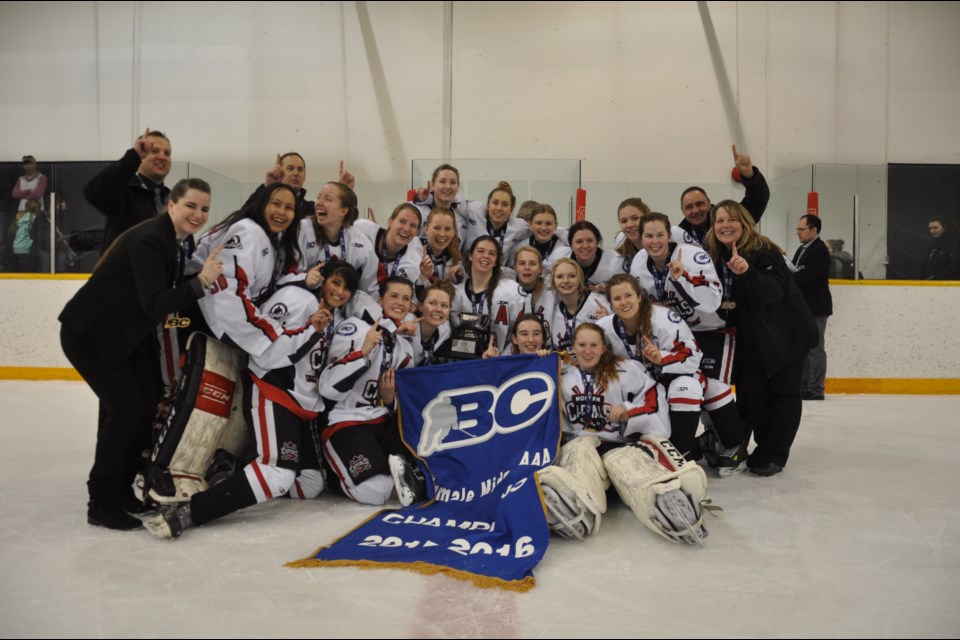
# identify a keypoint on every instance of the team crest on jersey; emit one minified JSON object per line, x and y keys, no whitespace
{"x":278,"y":311}
{"x":701,"y":258}
{"x":265,"y":252}
{"x":673,"y":316}
{"x":288,"y":452}
{"x":347,"y":329}
{"x":358,"y":464}
{"x":233,"y":243}
{"x":311,"y":244}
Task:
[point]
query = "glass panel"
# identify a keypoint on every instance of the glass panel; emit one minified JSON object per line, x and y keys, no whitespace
{"x":788,"y":201}
{"x":227,"y":193}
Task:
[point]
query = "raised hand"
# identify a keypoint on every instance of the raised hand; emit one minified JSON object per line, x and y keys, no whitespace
{"x":423,"y":194}
{"x":650,"y":351}
{"x":314,"y":278}
{"x":676,"y":265}
{"x":372,"y":339}
{"x":492,"y":351}
{"x":212,"y":267}
{"x":143,"y":145}
{"x":737,"y":263}
{"x":426,"y":268}
{"x":602,"y":311}
{"x":346,"y":177}
{"x":388,"y":386}
{"x":743,"y":162}
{"x":274,"y":173}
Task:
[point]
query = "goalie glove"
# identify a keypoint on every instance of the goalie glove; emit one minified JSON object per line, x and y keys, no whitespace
{"x":579,"y":456}
{"x":667,"y":493}
{"x":570,"y":511}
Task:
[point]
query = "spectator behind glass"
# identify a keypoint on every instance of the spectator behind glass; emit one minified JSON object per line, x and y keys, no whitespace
{"x":841,"y":262}
{"x":942,"y":261}
{"x":131,"y":189}
{"x":24,"y":237}
{"x":32,"y":185}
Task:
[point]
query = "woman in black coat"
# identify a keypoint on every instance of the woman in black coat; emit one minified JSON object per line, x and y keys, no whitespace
{"x":107,"y":332}
{"x":774,"y":332}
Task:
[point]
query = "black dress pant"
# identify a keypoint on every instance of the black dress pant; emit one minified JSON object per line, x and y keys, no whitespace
{"x":128,"y":396}
{"x":770,"y":405}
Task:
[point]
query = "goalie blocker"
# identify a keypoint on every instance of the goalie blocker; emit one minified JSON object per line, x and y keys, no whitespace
{"x":206,"y":416}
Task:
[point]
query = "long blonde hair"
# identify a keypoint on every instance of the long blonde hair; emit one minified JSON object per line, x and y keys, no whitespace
{"x":750,"y":240}
{"x":538,"y":285}
{"x":453,"y":248}
{"x":581,"y":279}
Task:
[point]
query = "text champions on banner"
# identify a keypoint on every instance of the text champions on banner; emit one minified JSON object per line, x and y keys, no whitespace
{"x":481,"y":444}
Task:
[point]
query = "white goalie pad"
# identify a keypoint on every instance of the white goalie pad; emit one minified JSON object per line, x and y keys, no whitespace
{"x":667,"y":493}
{"x":570,"y":511}
{"x":581,"y":458}
{"x":207,"y":415}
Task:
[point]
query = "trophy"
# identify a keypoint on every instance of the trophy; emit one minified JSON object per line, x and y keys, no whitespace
{"x":469,"y":340}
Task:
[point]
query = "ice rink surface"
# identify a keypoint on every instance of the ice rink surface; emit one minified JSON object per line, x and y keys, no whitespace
{"x":859,"y":537}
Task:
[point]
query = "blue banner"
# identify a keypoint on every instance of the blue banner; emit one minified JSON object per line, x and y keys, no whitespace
{"x":481,"y":429}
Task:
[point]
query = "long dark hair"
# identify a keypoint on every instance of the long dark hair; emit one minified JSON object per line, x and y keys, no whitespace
{"x":286,"y":242}
{"x":497,"y":271}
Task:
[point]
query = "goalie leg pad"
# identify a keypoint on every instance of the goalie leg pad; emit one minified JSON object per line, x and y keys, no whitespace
{"x":666,"y":492}
{"x":570,"y":511}
{"x":206,"y":399}
{"x":580,"y":457}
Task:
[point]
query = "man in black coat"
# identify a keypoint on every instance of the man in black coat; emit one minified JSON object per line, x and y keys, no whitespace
{"x":131,"y":189}
{"x":812,"y":261}
{"x":695,"y":204}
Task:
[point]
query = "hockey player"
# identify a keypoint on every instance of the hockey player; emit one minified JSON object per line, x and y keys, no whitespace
{"x":257,"y":250}
{"x":330,"y":234}
{"x":615,"y":430}
{"x":486,"y":292}
{"x":441,"y":248}
{"x":282,"y":401}
{"x":545,"y":236}
{"x":362,"y":429}
{"x":585,"y":247}
{"x":537,"y":297}
{"x":575,"y":303}
{"x":683,"y":277}
{"x":658,"y":339}
{"x":528,"y":336}
{"x":441,"y":193}
{"x":396,"y":251}
{"x":433,"y":328}
{"x":496,"y":222}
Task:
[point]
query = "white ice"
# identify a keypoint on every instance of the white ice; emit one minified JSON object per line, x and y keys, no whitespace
{"x":859,"y":537}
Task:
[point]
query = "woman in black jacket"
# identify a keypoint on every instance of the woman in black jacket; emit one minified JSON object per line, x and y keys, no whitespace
{"x":774,"y":332}
{"x":107,"y":334}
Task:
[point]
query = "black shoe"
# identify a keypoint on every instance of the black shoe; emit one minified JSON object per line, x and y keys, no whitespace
{"x":112,"y":517}
{"x":810,"y":395}
{"x":765,"y":470}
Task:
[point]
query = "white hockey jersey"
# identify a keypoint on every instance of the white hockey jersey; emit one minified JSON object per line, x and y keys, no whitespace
{"x":681,"y":355}
{"x":251,"y":267}
{"x":424,"y":350}
{"x":352,"y":246}
{"x":351,"y":380}
{"x":563,"y":322}
{"x":550,"y":251}
{"x":442,"y":263}
{"x":696,"y":296}
{"x":505,"y":306}
{"x":462,"y":209}
{"x":288,"y":371}
{"x":586,"y":405}
{"x":406,"y":263}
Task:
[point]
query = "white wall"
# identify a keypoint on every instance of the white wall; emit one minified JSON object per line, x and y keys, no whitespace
{"x":631,"y":88}
{"x":875,"y":332}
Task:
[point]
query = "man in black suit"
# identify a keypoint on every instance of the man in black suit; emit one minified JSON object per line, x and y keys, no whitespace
{"x":131,"y":189}
{"x":812,"y":260}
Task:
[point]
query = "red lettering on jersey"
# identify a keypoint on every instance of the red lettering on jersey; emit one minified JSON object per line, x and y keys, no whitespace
{"x":502,"y":316}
